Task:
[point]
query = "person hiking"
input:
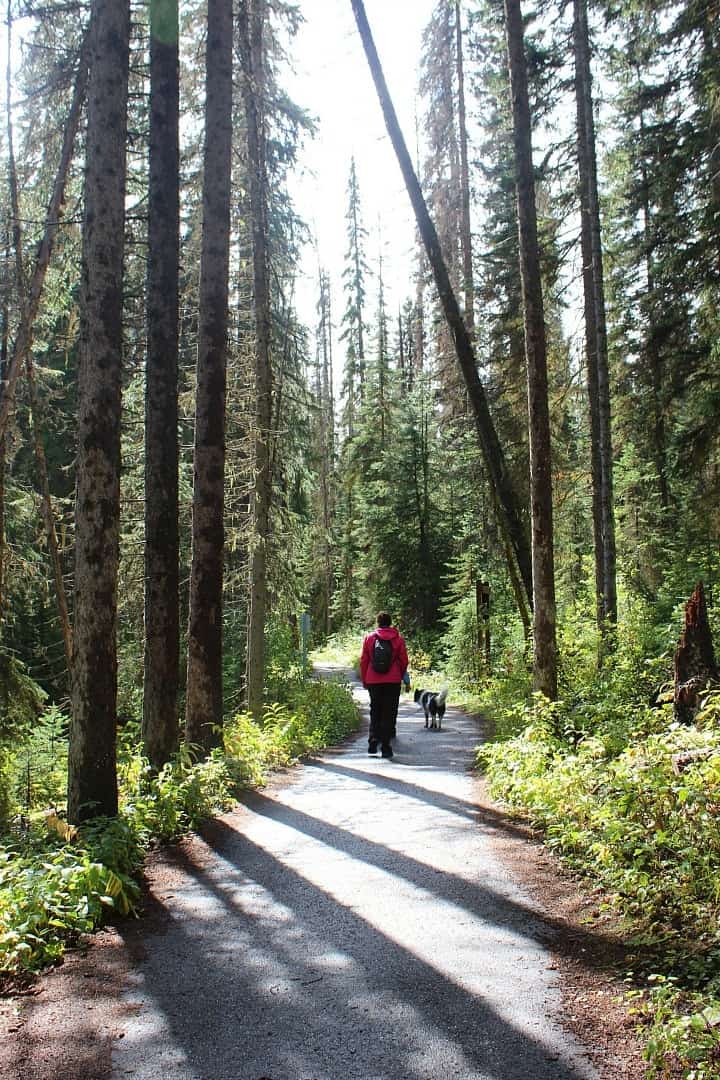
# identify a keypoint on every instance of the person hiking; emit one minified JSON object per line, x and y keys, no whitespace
{"x":383,"y":669}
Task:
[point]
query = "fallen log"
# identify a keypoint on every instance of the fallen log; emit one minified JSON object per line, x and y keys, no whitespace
{"x":686,"y":758}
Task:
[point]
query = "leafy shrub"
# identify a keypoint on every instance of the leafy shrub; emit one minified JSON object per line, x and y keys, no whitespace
{"x":181,"y":796}
{"x":314,"y":714}
{"x":51,"y":891}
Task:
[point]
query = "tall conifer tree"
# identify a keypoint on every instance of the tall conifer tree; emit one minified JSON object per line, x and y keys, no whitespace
{"x":92,"y":773}
{"x":252,"y":20}
{"x":204,"y":709}
{"x":162,"y":602}
{"x":595,"y":330}
{"x":544,"y":613}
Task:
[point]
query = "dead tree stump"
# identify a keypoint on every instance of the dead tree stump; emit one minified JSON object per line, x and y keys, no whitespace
{"x":695,"y":666}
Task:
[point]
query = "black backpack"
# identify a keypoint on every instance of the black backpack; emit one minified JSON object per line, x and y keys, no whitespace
{"x":381,"y":657}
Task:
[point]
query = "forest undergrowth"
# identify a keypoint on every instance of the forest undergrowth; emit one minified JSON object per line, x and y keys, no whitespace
{"x":628,"y":797}
{"x":57,"y":881}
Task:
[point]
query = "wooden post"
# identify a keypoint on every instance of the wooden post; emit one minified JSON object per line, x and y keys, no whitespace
{"x":482,"y":602}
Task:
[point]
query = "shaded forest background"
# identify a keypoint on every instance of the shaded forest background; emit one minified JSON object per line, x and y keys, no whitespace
{"x":376,"y":492}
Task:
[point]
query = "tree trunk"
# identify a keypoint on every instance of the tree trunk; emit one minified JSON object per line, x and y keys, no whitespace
{"x":695,"y":666}
{"x":160,"y":727}
{"x":3,"y":443}
{"x":251,"y":28}
{"x":92,"y":775}
{"x":204,"y":710}
{"x":465,"y":228}
{"x":596,"y":334}
{"x":543,"y":574}
{"x":510,"y":513}
{"x":326,"y":438}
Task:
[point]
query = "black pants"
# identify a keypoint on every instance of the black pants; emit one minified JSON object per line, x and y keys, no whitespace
{"x":384,"y":700}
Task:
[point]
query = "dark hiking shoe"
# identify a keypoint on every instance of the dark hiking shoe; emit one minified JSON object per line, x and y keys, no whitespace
{"x":372,"y":747}
{"x":387,"y":751}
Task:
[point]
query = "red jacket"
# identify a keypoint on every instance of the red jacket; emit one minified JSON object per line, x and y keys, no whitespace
{"x":399,"y":661}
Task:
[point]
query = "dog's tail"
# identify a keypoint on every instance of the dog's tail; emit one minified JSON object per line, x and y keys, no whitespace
{"x":442,"y":696}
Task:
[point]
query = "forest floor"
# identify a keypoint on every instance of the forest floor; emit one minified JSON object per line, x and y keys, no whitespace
{"x":358,"y":918}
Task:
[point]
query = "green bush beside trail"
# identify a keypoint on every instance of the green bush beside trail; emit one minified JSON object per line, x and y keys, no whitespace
{"x":604,"y":787}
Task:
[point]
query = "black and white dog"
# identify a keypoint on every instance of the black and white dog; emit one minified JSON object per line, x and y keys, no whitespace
{"x":433,"y":706}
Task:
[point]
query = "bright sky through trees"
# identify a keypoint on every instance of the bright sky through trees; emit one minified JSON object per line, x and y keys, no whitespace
{"x":333,"y":82}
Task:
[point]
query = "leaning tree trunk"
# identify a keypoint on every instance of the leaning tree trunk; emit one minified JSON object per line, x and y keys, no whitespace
{"x":596,"y":334}
{"x":204,"y":712}
{"x":543,"y":575}
{"x":251,"y":28}
{"x":92,"y":775}
{"x":511,"y":519}
{"x":24,"y":336}
{"x":160,"y":727}
{"x":695,"y":665}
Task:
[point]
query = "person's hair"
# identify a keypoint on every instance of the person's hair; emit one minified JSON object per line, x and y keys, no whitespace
{"x":383,"y":619}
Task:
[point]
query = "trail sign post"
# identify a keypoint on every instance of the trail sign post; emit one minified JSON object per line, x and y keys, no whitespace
{"x":304,"y":636}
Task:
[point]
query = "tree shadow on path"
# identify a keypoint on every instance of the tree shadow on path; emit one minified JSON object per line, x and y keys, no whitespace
{"x":481,"y":900}
{"x":274,"y":978}
{"x":485,"y":817}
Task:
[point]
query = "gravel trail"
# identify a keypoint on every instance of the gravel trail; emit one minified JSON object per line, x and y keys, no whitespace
{"x":351,"y":923}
